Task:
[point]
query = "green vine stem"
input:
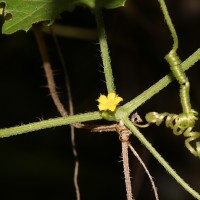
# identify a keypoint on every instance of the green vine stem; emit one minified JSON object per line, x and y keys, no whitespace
{"x":170,"y":24}
{"x":148,"y":145}
{"x":129,"y":107}
{"x":60,"y":121}
{"x":104,"y":51}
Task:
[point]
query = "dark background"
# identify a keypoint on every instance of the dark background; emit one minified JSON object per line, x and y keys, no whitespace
{"x":39,"y":165}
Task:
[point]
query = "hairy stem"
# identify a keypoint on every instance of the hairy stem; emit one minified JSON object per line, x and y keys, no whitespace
{"x":168,"y":168}
{"x":104,"y":51}
{"x":60,"y":121}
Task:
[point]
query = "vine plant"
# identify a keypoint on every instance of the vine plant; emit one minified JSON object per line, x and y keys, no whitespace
{"x":47,"y":10}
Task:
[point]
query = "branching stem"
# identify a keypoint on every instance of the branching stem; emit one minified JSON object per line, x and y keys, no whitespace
{"x":124,"y":110}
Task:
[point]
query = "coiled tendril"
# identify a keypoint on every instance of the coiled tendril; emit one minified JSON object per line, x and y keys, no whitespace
{"x":175,"y":62}
{"x":180,"y":124}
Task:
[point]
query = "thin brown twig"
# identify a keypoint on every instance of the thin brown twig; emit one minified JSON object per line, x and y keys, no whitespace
{"x":146,"y":170}
{"x":71,"y":111}
{"x":140,"y":173}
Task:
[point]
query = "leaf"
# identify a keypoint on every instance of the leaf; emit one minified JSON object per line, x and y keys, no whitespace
{"x":27,"y":12}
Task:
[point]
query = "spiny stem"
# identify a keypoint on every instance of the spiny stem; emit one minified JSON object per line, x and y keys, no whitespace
{"x":104,"y":51}
{"x":168,"y":168}
{"x":129,"y":107}
{"x":169,"y":23}
{"x":60,"y":121}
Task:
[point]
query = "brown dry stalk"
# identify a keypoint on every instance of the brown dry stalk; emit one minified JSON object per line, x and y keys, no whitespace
{"x":52,"y":89}
{"x":146,"y":170}
{"x":124,"y":134}
{"x":54,"y":95}
{"x":127,"y":171}
{"x":71,"y":111}
{"x":48,"y":71}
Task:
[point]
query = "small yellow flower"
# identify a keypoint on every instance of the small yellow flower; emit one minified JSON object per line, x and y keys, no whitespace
{"x":108,"y":103}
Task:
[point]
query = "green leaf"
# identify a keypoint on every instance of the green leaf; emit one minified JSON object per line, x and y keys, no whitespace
{"x":24,"y":13}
